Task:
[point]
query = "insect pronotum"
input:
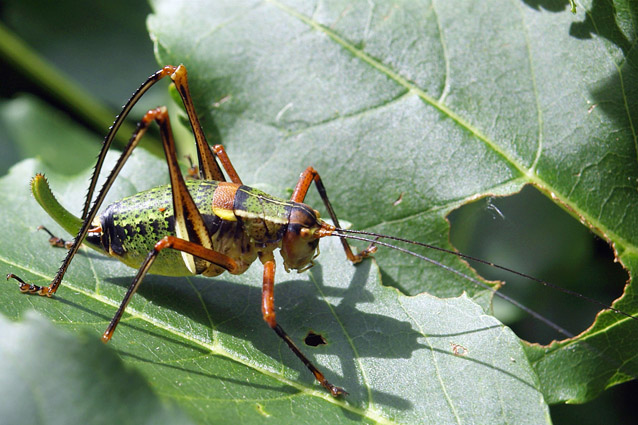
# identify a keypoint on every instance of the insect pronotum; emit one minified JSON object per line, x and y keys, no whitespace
{"x":208,"y":225}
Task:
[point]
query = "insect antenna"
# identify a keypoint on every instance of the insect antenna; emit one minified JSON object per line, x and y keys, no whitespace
{"x":524,"y":308}
{"x":354,"y":234}
{"x":478,"y":260}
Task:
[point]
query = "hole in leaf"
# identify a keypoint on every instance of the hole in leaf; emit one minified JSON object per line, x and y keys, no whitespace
{"x":314,"y":340}
{"x":527,"y":232}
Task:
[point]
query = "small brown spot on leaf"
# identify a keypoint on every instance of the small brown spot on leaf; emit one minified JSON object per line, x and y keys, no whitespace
{"x":459,"y":350}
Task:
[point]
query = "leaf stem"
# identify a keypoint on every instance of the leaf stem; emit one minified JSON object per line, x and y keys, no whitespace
{"x":60,"y":86}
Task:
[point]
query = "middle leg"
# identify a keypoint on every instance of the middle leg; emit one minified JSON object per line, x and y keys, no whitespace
{"x":173,"y":242}
{"x":268,"y":312}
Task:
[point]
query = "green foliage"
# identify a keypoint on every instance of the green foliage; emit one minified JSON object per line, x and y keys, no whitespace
{"x":81,"y":382}
{"x":418,"y":101}
{"x":202,"y":342}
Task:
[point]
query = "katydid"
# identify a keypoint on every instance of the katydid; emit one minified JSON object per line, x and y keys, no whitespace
{"x":212,"y":223}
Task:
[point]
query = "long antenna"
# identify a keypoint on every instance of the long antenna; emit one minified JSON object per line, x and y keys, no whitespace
{"x":478,"y":260}
{"x":349,"y":234}
{"x":528,"y":310}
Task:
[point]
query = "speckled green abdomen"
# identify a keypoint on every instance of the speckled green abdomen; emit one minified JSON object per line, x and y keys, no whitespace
{"x":132,"y":226}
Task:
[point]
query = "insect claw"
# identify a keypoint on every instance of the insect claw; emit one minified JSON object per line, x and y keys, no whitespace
{"x":12,"y":276}
{"x":334,"y":390}
{"x":27,"y":288}
{"x":371,"y":249}
{"x":193,"y":170}
{"x":365,"y":253}
{"x":55,"y":241}
{"x":24,"y":287}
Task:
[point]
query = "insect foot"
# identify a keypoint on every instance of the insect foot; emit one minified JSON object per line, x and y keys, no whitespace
{"x":371,"y":249}
{"x":27,"y":288}
{"x":334,"y":390}
{"x":55,"y":241}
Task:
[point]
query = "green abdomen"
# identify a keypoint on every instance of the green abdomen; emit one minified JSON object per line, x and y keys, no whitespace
{"x":132,"y":226}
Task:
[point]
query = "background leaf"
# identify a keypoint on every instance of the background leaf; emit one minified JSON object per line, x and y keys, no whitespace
{"x":515,"y":92}
{"x":47,"y":392}
{"x":27,"y":119}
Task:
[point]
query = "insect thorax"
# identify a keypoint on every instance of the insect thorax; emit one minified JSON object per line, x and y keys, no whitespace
{"x":263,"y":217}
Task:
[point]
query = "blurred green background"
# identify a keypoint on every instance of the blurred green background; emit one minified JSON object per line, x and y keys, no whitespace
{"x":104,"y":49}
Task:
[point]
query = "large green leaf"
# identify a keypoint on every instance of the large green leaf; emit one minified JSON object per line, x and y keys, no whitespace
{"x":440,"y":102}
{"x":203,"y":344}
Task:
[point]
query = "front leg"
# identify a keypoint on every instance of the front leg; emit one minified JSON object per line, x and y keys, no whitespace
{"x":299,"y":194}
